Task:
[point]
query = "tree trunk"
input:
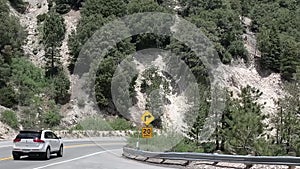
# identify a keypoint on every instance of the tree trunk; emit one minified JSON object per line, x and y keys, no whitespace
{"x":52,"y":61}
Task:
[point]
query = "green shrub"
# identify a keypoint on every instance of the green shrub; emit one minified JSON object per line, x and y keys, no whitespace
{"x":8,"y":97}
{"x":208,"y":147}
{"x":10,"y":118}
{"x":187,"y":146}
{"x":77,"y":127}
{"x":19,"y":5}
{"x":120,"y":124}
{"x":95,"y":123}
{"x":52,"y":119}
{"x":27,"y":119}
{"x":41,"y":17}
{"x":63,"y":8}
{"x":159,"y":142}
{"x":61,"y":85}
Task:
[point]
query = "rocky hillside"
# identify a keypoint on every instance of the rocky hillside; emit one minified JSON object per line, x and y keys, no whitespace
{"x":241,"y":74}
{"x":84,"y":22}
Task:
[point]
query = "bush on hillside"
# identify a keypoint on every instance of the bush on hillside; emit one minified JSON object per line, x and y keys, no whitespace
{"x":10,"y":118}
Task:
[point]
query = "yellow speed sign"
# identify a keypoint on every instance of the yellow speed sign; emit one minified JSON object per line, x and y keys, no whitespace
{"x":147,"y":132}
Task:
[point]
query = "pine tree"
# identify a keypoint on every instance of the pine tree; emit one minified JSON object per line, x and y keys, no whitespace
{"x":287,"y":119}
{"x":289,"y":58}
{"x":53,"y":33}
{"x":270,"y":47}
{"x":196,"y":128}
{"x":243,"y":122}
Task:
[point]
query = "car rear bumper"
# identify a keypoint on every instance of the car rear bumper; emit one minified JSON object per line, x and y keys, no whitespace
{"x":27,"y":150}
{"x":32,"y":154}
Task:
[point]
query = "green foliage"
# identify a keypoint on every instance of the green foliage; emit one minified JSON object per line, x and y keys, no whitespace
{"x":51,"y":119}
{"x":10,"y":118}
{"x":269,"y":44}
{"x":61,"y":86}
{"x":220,"y":22}
{"x":95,"y":123}
{"x":104,"y":8}
{"x":106,"y":71}
{"x":137,"y":6}
{"x":244,"y":122}
{"x":11,"y":32}
{"x":53,"y":30}
{"x":75,"y":4}
{"x":91,"y":20}
{"x":103,"y":81}
{"x":53,"y":33}
{"x":241,"y":129}
{"x":19,"y":5}
{"x":5,"y":71}
{"x":41,"y":17}
{"x":27,"y":79}
{"x":287,"y":120}
{"x":159,"y":142}
{"x":77,"y":127}
{"x":120,"y":124}
{"x":197,"y":128}
{"x":290,"y":52}
{"x":8,"y":97}
{"x":28,"y":119}
{"x":187,"y":146}
{"x":40,"y":114}
{"x":277,"y":24}
{"x":62,"y":8}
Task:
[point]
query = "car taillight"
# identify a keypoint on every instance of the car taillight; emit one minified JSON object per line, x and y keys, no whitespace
{"x":38,"y":140}
{"x":17,"y":140}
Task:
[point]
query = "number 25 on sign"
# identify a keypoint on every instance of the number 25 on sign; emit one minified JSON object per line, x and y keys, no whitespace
{"x":147,"y":132}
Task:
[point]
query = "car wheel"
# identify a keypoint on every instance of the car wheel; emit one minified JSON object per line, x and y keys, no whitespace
{"x":16,"y":157}
{"x":60,"y":152}
{"x":47,"y":154}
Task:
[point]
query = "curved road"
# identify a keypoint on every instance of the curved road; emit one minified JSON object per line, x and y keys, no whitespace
{"x":100,"y":153}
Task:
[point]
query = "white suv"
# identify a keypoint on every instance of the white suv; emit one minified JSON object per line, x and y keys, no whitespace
{"x":41,"y":143}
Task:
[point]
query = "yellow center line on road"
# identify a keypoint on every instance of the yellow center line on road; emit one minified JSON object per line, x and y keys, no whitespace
{"x":72,"y":146}
{"x":6,"y":158}
{"x":91,"y":144}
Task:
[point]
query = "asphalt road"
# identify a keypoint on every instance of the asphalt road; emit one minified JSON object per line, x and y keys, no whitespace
{"x":101,"y":153}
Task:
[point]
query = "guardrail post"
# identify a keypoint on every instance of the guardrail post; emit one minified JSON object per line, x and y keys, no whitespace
{"x":248,"y":166}
{"x":187,"y":163}
{"x":147,"y":158}
{"x":215,"y":163}
{"x":292,"y":167}
{"x":292,"y":153}
{"x":217,"y":152}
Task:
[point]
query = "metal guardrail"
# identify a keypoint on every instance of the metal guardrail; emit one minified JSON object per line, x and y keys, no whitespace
{"x":266,"y":160}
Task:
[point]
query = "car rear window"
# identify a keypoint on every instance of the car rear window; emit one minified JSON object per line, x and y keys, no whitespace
{"x":29,"y":135}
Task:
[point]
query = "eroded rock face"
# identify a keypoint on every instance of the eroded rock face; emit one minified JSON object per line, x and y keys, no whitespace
{"x":32,"y":47}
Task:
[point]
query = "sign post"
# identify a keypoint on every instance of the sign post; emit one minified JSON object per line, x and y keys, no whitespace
{"x":138,"y":142}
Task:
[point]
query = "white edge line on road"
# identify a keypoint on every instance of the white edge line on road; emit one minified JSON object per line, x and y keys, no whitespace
{"x":77,"y":158}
